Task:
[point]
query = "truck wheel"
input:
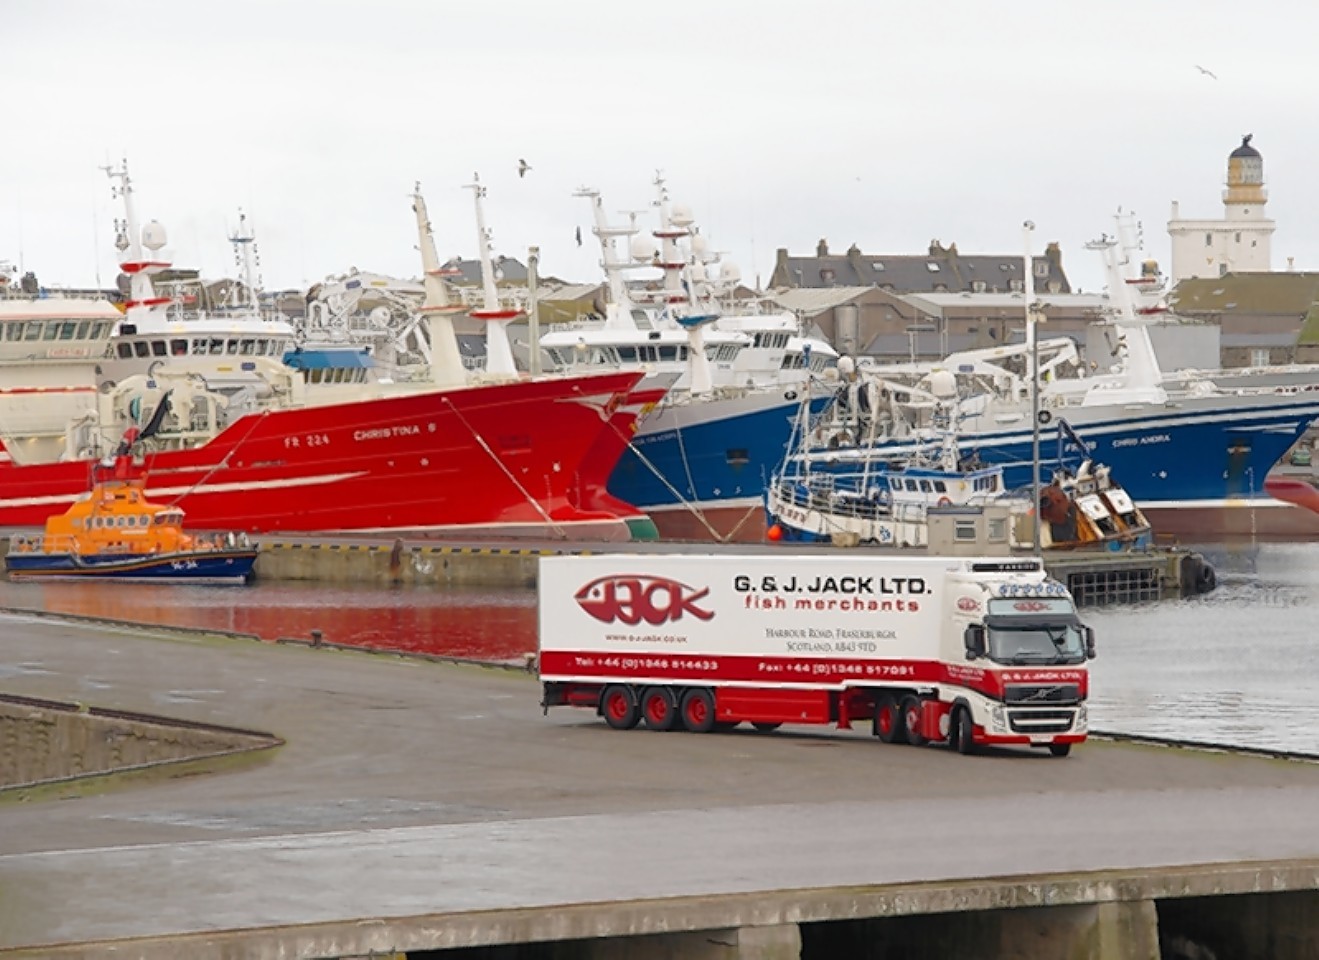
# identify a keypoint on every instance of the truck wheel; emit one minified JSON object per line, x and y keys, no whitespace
{"x":888,"y":726}
{"x":1060,"y":749}
{"x":963,"y":732}
{"x":911,"y":719}
{"x":766,"y":727}
{"x":619,"y":706}
{"x":659,"y":708}
{"x":698,"y":710}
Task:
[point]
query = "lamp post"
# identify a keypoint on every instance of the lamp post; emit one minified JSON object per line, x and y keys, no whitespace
{"x":1027,"y":283}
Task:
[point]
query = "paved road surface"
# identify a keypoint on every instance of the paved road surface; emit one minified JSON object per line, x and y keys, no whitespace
{"x":409,"y":787}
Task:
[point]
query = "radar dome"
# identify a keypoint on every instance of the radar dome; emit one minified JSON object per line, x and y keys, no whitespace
{"x":698,"y":273}
{"x":730,"y":273}
{"x":643,"y":249}
{"x":942,"y":384}
{"x":699,"y":244}
{"x":682,"y":215}
{"x":379,"y":317}
{"x":153,"y":235}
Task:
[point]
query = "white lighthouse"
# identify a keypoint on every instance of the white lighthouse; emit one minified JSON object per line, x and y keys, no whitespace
{"x":1240,"y":242}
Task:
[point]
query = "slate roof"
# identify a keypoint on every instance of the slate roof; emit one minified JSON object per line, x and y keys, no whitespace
{"x":1284,"y":293}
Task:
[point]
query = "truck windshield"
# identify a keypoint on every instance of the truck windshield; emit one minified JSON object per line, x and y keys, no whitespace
{"x":1036,"y":643}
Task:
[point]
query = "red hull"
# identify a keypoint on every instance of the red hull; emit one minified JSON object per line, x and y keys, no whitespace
{"x":527,"y":458}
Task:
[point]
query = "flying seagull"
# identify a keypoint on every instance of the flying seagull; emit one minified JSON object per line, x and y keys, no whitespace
{"x":579,"y":236}
{"x":1208,"y":73}
{"x":523,"y":167}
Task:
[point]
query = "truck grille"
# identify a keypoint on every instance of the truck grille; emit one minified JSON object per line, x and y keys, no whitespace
{"x":1040,"y":721}
{"x":1042,"y":693}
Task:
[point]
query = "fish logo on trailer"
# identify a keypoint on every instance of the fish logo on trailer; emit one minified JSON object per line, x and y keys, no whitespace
{"x":632,"y":599}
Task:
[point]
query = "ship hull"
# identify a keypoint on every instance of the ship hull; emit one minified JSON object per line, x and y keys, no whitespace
{"x":1213,"y":452}
{"x":210,"y":567}
{"x":515,"y":459}
{"x":700,"y":468}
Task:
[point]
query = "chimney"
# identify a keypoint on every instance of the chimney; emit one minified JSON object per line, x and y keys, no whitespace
{"x":1054,"y":254}
{"x":1176,"y":211}
{"x":822,"y":248}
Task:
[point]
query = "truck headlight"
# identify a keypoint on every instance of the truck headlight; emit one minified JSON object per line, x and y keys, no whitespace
{"x":1082,"y":717}
{"x":997,"y":720}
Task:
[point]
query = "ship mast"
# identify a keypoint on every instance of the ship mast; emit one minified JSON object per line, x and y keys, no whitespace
{"x":675,"y":225}
{"x":498,"y":351}
{"x":139,"y":251}
{"x":618,"y":310}
{"x":446,"y":362}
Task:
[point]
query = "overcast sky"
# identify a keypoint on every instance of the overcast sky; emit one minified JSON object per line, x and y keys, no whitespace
{"x":877,"y":123}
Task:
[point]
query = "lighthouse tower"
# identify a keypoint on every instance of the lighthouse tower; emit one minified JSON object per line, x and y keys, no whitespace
{"x":1238,"y":243}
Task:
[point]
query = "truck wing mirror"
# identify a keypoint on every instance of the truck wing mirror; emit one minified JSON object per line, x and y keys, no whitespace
{"x":1089,"y":643}
{"x":974,"y":638}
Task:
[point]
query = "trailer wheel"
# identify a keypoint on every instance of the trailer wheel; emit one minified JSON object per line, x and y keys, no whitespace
{"x":698,"y":710}
{"x":659,"y":708}
{"x":888,"y":726}
{"x":911,"y":719}
{"x":963,"y":732}
{"x":619,"y":706}
{"x":766,"y":726}
{"x":1060,"y":749}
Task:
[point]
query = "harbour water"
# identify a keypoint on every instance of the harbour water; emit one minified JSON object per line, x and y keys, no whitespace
{"x":1238,"y":667}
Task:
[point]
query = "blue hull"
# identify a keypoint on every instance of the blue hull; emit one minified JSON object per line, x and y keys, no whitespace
{"x":227,"y":566}
{"x":1162,"y":457}
{"x":707,"y":453}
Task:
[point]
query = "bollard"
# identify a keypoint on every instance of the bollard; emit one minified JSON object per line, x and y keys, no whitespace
{"x":315,"y":638}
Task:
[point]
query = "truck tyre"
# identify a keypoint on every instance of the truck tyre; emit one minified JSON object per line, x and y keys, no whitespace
{"x":698,"y":710}
{"x":618,"y":704}
{"x":963,"y":732}
{"x":766,"y":727}
{"x":1060,"y":749}
{"x":659,"y":708}
{"x":911,"y":719}
{"x":888,"y":720}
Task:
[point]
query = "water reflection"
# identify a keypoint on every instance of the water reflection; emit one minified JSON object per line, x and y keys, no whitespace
{"x":1237,"y":666}
{"x":478,"y":624}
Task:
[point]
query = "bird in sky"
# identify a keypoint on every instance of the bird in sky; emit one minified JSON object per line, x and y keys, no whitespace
{"x":1208,"y":73}
{"x":523,"y":167}
{"x":579,"y":236}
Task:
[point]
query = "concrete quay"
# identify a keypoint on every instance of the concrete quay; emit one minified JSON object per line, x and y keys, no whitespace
{"x":421,"y":808}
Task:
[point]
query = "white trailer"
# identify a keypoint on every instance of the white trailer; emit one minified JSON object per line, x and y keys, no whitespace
{"x":964,"y":651}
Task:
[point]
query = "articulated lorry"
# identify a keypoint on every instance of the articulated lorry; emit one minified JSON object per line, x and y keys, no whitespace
{"x":962,"y":651}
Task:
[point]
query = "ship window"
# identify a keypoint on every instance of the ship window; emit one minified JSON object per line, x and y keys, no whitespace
{"x":52,"y":331}
{"x":33,"y":330}
{"x":160,"y":519}
{"x":940,"y":486}
{"x":179,"y":348}
{"x":142,"y":348}
{"x":68,"y":330}
{"x":669,"y":352}
{"x":911,"y":485}
{"x":158,"y":348}
{"x":964,"y":530}
{"x":246,"y":347}
{"x":125,"y":350}
{"x":1209,"y":239}
{"x":998,"y":530}
{"x":98,"y":330}
{"x":198,"y":347}
{"x":82,"y":331}
{"x":11,"y":331}
{"x":231,"y":347}
{"x":262,"y":347}
{"x":216,"y":347}
{"x":1238,"y":238}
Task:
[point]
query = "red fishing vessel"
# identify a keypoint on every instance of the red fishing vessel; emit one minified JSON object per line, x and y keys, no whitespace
{"x":459,"y":456}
